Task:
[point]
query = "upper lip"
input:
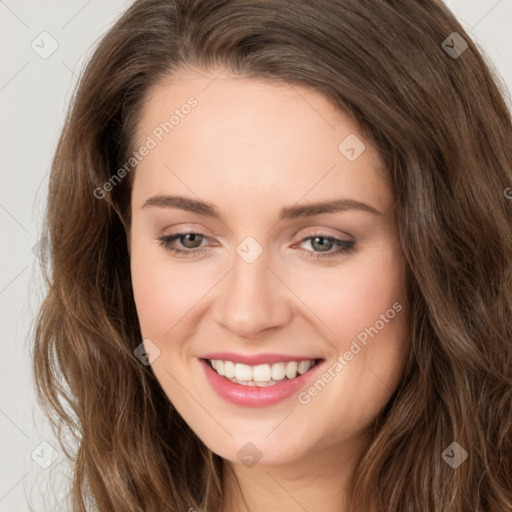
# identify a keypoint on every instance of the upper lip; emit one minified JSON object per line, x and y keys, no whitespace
{"x":256,"y":359}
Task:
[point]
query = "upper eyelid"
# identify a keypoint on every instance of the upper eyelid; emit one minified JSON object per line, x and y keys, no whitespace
{"x":302,"y":237}
{"x":303,"y":233}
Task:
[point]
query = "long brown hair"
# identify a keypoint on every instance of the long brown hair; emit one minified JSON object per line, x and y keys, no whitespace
{"x":436,"y":112}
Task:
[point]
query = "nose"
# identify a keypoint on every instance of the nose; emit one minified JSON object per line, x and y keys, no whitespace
{"x":252,"y":299}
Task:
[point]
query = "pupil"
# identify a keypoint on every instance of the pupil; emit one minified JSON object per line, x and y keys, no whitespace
{"x":322,"y":246}
{"x":194,"y":239}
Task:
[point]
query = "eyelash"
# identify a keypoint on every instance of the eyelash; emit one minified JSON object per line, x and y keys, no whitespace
{"x":344,"y":246}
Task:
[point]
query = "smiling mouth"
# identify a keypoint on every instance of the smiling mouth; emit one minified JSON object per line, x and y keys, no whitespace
{"x":261,"y":375}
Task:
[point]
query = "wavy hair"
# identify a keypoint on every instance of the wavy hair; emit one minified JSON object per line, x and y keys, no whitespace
{"x":442,"y":126}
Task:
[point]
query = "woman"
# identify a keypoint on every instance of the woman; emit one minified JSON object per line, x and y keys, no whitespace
{"x":281,"y":262}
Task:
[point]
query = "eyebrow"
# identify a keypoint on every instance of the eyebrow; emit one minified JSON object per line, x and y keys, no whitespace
{"x":290,"y":212}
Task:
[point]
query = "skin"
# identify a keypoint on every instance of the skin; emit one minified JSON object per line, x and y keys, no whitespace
{"x":274,"y":145}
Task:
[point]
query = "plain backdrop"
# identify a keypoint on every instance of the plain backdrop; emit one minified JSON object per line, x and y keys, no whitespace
{"x":44,"y":44}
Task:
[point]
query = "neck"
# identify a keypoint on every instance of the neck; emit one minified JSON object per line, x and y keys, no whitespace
{"x":317,"y":479}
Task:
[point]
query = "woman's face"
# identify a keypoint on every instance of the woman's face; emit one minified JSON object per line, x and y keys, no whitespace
{"x":264,"y":277}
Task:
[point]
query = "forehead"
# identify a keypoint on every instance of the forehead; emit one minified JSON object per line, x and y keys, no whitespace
{"x":253,"y":135}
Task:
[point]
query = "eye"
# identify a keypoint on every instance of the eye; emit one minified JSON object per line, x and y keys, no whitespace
{"x":190,"y":241}
{"x":323,"y":244}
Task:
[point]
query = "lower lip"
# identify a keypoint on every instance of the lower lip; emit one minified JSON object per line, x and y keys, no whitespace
{"x":254,"y":396}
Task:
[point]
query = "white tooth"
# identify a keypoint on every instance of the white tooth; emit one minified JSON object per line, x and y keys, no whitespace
{"x":261,"y":373}
{"x":278,"y":371}
{"x":263,"y":384}
{"x":291,"y":370}
{"x":229,"y":369}
{"x":304,"y":366}
{"x":220,"y":367}
{"x":243,"y":372}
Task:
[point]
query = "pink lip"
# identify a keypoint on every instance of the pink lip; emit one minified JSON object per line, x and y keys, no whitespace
{"x":253,"y":360}
{"x":253,"y":396}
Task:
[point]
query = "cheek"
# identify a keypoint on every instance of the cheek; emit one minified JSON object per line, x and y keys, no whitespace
{"x":353,"y":296}
{"x":154,"y":288}
{"x":165,"y":290}
{"x":149,"y":290}
{"x":365,"y":307}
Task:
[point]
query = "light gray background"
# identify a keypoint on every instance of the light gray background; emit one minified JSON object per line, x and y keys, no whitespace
{"x":34,"y":93}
